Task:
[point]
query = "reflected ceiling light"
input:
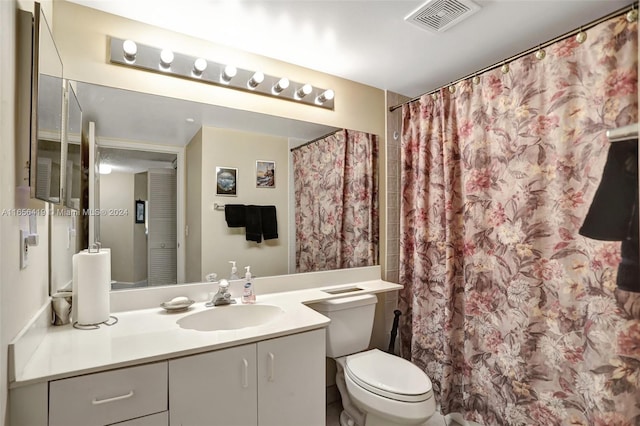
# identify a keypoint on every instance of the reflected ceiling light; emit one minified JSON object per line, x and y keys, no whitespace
{"x":303,"y":91}
{"x":282,"y":84}
{"x":228,"y":73}
{"x":130,"y":49}
{"x":166,"y":57}
{"x":199,"y":65}
{"x":325,"y":96}
{"x":255,"y":80}
{"x":104,"y":169}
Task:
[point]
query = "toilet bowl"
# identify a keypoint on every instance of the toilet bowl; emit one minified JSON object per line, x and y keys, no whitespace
{"x":377,"y":388}
{"x":389,"y":390}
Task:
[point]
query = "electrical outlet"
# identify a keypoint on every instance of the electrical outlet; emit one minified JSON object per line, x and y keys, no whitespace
{"x":24,"y":249}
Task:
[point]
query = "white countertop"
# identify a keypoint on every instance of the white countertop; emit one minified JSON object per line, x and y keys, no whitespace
{"x":148,"y":335}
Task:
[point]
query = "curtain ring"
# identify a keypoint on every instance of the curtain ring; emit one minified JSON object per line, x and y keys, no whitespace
{"x":581,"y":37}
{"x":504,"y":68}
{"x":540,"y":54}
{"x":632,"y":15}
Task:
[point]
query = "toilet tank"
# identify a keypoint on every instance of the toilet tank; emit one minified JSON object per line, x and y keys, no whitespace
{"x":351,"y":323}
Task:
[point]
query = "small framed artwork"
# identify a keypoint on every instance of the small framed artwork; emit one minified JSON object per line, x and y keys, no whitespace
{"x":226,"y":181}
{"x":265,"y":174}
{"x":140,"y":211}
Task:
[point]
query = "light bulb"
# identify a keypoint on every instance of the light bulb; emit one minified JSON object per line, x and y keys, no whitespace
{"x":130,"y":49}
{"x":255,"y":80}
{"x":281,"y":85}
{"x":325,"y":96}
{"x":229,"y":72}
{"x":303,"y":91}
{"x":166,"y":57}
{"x":199,"y":65}
{"x":104,"y":169}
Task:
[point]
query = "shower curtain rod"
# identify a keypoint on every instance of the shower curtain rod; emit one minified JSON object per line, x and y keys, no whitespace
{"x":316,"y":139}
{"x":585,"y":27}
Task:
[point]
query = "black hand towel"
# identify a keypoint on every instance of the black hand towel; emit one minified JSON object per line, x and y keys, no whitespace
{"x":234,"y":214}
{"x":611,"y":212}
{"x":269,"y":222}
{"x":253,"y":223}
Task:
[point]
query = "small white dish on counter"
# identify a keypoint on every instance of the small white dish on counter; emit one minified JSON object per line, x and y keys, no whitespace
{"x":177,"y":304}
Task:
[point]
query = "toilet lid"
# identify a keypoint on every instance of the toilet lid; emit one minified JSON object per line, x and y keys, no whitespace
{"x":389,"y":376}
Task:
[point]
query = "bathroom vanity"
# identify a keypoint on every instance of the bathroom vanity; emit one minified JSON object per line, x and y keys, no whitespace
{"x":148,"y":370}
{"x":270,"y":382}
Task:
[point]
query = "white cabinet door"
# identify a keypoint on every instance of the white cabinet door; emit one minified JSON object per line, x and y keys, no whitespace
{"x":291,"y":380}
{"x":214,"y":389}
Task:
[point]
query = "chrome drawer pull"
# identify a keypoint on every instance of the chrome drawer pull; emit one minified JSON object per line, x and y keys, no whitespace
{"x":271,"y":368}
{"x":245,"y":373}
{"x":115,"y":398}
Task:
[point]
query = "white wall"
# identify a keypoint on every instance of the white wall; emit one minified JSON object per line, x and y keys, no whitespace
{"x":193,"y":239}
{"x":81,"y":35}
{"x":232,"y":148}
{"x":22,"y":292}
{"x":116,"y":231}
{"x":64,"y":244}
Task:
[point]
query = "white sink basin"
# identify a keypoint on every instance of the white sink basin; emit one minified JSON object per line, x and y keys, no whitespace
{"x":230,"y":317}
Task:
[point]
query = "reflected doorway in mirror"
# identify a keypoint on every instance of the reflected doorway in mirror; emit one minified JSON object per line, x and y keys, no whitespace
{"x":226,"y":181}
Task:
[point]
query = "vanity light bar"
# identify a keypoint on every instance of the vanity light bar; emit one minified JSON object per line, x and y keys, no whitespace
{"x":163,"y":61}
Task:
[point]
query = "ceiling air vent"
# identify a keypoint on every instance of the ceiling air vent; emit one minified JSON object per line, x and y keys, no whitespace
{"x":439,"y":15}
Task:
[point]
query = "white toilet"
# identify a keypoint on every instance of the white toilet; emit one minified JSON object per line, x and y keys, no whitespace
{"x":377,"y":388}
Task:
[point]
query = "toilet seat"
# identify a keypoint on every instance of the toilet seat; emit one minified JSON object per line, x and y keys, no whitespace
{"x":388,"y":376}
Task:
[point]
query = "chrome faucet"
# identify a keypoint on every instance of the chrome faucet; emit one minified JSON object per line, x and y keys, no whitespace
{"x":222,"y":297}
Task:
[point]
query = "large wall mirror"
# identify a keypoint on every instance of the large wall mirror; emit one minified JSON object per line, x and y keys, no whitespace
{"x":47,"y":91}
{"x":160,"y":210}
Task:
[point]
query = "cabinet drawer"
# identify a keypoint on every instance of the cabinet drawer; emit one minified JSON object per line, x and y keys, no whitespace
{"x":109,"y":397}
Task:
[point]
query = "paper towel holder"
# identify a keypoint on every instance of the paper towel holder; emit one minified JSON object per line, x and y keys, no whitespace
{"x":95,"y":247}
{"x":113,"y":320}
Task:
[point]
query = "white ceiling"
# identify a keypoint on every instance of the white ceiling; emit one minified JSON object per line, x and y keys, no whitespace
{"x":368,"y":41}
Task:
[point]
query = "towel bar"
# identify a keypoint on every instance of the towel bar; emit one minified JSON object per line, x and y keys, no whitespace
{"x":623,"y":133}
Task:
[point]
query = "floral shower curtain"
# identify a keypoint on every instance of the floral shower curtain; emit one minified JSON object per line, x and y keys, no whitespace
{"x":336,"y":202}
{"x":513,"y":315}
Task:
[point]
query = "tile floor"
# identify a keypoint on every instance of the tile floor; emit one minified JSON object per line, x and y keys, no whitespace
{"x":334,"y":409}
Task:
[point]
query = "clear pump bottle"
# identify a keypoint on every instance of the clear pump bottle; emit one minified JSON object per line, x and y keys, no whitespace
{"x":234,"y":271}
{"x":248,"y":295}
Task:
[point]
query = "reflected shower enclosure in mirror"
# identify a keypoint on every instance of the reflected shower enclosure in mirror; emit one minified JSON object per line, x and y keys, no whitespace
{"x":47,"y":99}
{"x":140,"y":121}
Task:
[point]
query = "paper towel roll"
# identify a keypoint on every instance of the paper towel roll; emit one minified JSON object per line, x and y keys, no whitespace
{"x":91,"y":286}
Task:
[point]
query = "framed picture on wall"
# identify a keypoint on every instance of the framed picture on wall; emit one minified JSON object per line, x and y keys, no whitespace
{"x":265,"y":174}
{"x":227,"y":181}
{"x":140,"y":211}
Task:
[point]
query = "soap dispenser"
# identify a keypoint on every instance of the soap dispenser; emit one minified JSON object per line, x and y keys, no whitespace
{"x":234,"y":271}
{"x":248,"y":296}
